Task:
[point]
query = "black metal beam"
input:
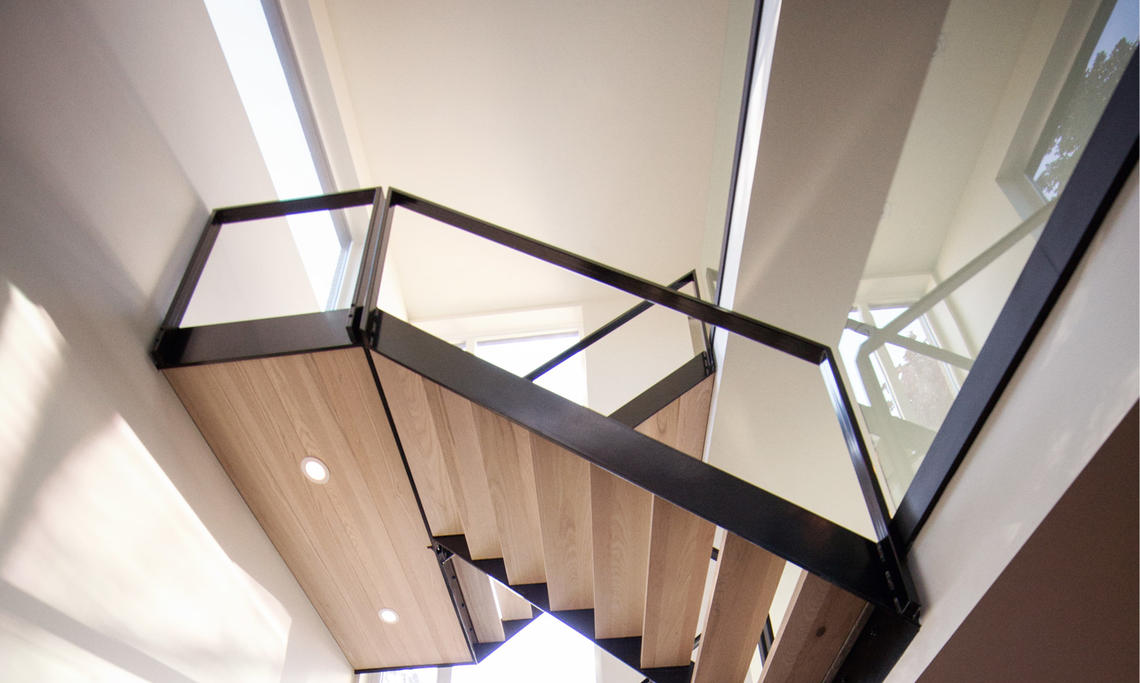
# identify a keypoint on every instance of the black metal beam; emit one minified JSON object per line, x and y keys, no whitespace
{"x":285,"y":207}
{"x":249,"y":212}
{"x":650,"y":402}
{"x":367,"y":280}
{"x":766,"y":639}
{"x":783,"y":528}
{"x":193,"y":273}
{"x":1108,"y":160}
{"x":769,"y":335}
{"x":877,"y":648}
{"x":458,"y":600}
{"x":254,"y":339}
{"x":738,"y":147}
{"x":595,"y":336}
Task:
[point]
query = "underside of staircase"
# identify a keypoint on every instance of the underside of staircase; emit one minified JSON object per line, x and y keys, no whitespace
{"x":465,"y":498}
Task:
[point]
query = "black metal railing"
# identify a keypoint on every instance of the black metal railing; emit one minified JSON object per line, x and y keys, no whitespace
{"x":620,"y":320}
{"x":870,"y":569}
{"x":875,"y":571}
{"x":893,"y":568}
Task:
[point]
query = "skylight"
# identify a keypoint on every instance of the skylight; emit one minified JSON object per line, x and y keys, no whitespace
{"x":251,"y":54}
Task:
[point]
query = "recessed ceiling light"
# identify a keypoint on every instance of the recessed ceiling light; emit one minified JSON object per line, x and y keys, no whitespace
{"x":389,"y":616}
{"x":315,"y":470}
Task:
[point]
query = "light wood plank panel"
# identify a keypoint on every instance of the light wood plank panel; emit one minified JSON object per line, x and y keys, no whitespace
{"x":679,"y":542}
{"x":419,"y":434}
{"x":511,"y":604}
{"x":679,"y":547}
{"x":746,"y":582}
{"x":459,"y":437}
{"x":510,"y":475}
{"x":562,"y":482}
{"x":682,"y":423}
{"x":620,"y":520}
{"x":816,"y":632}
{"x":355,"y":543}
{"x":480,"y":600}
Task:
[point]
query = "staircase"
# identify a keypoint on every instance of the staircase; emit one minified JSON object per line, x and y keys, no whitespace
{"x":459,"y":496}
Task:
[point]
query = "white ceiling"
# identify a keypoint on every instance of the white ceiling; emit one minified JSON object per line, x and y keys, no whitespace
{"x":969,"y":73}
{"x":841,"y":92}
{"x":591,"y":126}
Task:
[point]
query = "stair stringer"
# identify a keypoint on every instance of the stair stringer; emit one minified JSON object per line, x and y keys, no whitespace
{"x":780,"y":527}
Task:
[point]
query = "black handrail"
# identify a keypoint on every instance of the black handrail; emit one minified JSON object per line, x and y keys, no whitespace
{"x":364,"y":324}
{"x":769,"y":335}
{"x":761,"y":332}
{"x":253,"y":212}
{"x":598,"y":334}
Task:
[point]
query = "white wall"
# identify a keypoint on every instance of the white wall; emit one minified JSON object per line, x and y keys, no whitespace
{"x":125,"y":552}
{"x":984,"y":212}
{"x":635,"y":356}
{"x":840,"y":94}
{"x":1080,"y":377}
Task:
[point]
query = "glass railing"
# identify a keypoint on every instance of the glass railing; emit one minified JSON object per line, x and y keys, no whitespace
{"x":935,"y":281}
{"x":785,"y":446}
{"x":586,"y":341}
{"x":271,"y":260}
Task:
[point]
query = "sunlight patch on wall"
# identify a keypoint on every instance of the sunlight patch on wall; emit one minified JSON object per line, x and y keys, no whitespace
{"x":30,"y":359}
{"x":108,"y":542}
{"x":44,"y":656}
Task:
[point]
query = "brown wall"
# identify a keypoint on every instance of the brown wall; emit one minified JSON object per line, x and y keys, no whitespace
{"x":1066,"y":607}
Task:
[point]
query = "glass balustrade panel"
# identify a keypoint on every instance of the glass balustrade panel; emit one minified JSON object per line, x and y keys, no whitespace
{"x":976,"y":181}
{"x":296,"y":264}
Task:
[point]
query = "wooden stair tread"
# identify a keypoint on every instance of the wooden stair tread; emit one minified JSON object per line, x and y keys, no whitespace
{"x":437,"y":431}
{"x":621,"y":515}
{"x":419,"y":436}
{"x":818,"y":629}
{"x":510,"y":474}
{"x":679,"y":542}
{"x":459,"y":434}
{"x":679,"y":548}
{"x":562,"y":482}
{"x":746,"y":581}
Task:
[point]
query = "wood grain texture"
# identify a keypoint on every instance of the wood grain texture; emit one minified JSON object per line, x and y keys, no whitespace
{"x":419,"y":435}
{"x":679,"y":542}
{"x":562,"y":482}
{"x":620,"y":521}
{"x":480,"y":601}
{"x":510,"y":475}
{"x":815,"y":634}
{"x":682,"y":423}
{"x":355,"y":543}
{"x":511,"y":604}
{"x":746,"y":582}
{"x":459,"y":438}
{"x":679,"y":547}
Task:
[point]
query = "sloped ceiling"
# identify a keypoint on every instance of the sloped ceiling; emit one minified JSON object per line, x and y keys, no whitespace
{"x":591,"y":126}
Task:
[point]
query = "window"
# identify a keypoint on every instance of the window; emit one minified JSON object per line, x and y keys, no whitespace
{"x":1087,"y":60}
{"x":521,"y":341}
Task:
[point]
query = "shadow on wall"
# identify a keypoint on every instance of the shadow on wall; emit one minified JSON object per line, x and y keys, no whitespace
{"x":124,"y":549}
